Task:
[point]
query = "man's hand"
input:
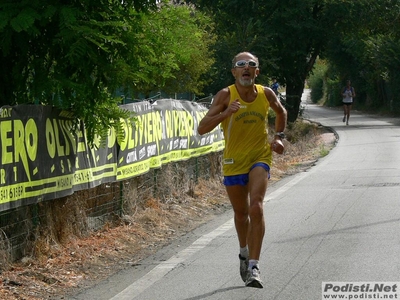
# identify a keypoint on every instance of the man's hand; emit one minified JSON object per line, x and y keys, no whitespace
{"x":277,"y":146}
{"x":233,"y":107}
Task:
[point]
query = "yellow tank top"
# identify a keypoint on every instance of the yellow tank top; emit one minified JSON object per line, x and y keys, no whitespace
{"x":246,"y":134}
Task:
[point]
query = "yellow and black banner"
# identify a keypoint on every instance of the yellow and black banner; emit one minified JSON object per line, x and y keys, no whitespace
{"x":44,"y":156}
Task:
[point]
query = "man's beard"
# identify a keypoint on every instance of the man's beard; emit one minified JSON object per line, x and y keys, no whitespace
{"x":246,"y":82}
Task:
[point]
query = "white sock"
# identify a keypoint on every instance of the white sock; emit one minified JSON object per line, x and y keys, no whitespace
{"x":244,"y":252}
{"x":253,"y":263}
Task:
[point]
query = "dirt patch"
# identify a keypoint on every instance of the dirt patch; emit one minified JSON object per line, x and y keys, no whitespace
{"x":83,"y":262}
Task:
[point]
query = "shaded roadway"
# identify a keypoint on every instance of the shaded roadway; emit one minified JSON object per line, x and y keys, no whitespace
{"x":338,"y":221}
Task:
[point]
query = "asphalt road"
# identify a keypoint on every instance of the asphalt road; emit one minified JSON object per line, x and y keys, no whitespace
{"x":337,"y":222}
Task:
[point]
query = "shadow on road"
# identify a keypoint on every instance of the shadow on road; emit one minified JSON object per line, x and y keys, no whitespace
{"x":362,"y":126}
{"x":215,"y":292}
{"x":332,"y":232}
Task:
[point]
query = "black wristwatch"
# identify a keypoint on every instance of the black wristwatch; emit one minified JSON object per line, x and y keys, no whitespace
{"x":281,"y":135}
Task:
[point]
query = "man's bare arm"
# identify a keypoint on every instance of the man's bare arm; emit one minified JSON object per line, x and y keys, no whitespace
{"x":280,"y":111}
{"x":218,"y":111}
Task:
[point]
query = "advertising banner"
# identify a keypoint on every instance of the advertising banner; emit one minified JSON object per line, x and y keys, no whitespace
{"x":45,"y":155}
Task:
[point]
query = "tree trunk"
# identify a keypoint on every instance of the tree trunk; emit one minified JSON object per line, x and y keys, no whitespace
{"x":294,"y":90}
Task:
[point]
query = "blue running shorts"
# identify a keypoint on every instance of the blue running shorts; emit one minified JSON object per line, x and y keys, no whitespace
{"x":243,"y":179}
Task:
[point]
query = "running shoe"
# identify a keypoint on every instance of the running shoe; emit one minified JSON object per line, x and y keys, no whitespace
{"x":254,"y":280}
{"x":244,"y":267}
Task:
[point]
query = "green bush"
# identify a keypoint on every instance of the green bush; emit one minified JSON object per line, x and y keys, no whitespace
{"x":299,"y":129}
{"x":333,"y":87}
{"x":316,"y":81}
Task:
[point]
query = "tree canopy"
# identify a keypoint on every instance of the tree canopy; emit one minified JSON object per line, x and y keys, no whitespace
{"x":368,"y":54}
{"x":75,"y":54}
{"x":289,"y":35}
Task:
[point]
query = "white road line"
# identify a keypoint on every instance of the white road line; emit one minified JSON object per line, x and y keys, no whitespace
{"x":139,"y":286}
{"x":287,"y":186}
{"x":163,"y":268}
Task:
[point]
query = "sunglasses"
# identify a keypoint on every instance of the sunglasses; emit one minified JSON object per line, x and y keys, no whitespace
{"x":242,"y":63}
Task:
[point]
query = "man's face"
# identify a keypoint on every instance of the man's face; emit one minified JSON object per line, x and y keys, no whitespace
{"x":245,"y":69}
